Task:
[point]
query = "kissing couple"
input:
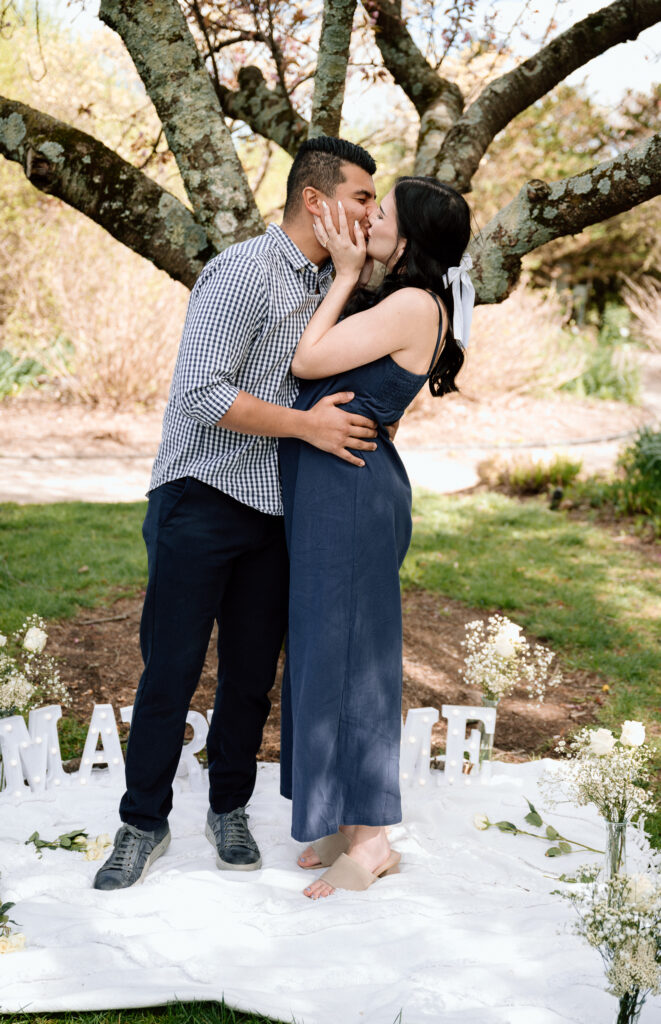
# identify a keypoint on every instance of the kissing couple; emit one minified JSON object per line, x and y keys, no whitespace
{"x":278,"y":506}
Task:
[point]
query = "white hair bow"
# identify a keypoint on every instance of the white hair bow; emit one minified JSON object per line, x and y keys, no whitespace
{"x":463,"y":298}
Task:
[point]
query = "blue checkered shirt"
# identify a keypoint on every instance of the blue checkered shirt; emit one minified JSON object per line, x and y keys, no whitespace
{"x":245,"y":316}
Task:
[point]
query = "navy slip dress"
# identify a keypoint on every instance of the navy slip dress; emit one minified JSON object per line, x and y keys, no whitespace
{"x":348,"y":529}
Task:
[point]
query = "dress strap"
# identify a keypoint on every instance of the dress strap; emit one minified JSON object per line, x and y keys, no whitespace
{"x":440,"y":332}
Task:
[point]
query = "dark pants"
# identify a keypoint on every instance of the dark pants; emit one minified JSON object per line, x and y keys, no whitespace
{"x":210,"y":558}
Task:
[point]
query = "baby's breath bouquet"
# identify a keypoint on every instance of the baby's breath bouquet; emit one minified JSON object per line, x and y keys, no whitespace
{"x":28,"y":677}
{"x":621,"y":917}
{"x":609,"y":772}
{"x":498,"y":658}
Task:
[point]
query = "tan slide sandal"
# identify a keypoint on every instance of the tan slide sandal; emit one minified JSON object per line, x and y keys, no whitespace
{"x":347,"y":873}
{"x":327,"y":850}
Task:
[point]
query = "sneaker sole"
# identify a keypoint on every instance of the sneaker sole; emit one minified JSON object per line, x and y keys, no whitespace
{"x":222,"y":864}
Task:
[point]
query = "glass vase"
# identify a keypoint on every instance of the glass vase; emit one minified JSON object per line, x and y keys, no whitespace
{"x":631,"y":1003}
{"x":615,"y":857}
{"x":486,"y":739}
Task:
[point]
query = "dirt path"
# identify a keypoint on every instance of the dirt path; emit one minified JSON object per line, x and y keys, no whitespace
{"x":51,"y":452}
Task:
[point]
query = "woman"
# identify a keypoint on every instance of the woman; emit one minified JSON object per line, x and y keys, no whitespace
{"x":348,"y":529}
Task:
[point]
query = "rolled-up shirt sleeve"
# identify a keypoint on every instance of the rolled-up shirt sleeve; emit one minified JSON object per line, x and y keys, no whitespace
{"x":226,"y":311}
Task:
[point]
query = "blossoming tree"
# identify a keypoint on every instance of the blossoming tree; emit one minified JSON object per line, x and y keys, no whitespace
{"x":179,"y":50}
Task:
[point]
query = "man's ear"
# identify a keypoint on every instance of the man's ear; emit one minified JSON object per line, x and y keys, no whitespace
{"x":312,"y":200}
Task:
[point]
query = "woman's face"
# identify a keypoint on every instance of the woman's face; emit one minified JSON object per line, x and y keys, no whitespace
{"x":383,"y":241}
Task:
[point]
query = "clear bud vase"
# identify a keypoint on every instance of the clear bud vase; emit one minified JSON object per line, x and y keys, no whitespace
{"x":486,"y":740}
{"x":631,"y":1003}
{"x":615,"y":862}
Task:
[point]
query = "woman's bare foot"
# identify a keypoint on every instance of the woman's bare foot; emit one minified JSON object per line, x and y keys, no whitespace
{"x":369,"y":847}
{"x":309,"y":858}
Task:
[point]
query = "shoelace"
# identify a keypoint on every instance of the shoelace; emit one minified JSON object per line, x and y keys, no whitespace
{"x":129,"y":839}
{"x":235,"y":829}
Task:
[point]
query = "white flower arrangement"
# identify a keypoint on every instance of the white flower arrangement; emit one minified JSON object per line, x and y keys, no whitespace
{"x":10,"y":942}
{"x":621,"y":917}
{"x":498,"y":658}
{"x":77,"y":841}
{"x":28,"y":677}
{"x":602,"y":769}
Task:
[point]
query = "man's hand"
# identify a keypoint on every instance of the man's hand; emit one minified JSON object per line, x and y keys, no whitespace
{"x":333,"y":430}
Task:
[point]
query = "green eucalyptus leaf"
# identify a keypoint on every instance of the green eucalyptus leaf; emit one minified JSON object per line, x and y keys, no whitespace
{"x":5,"y":907}
{"x":33,"y":838}
{"x":553,"y":851}
{"x":65,"y":843}
{"x":564,"y":846}
{"x":506,"y":826}
{"x":551,"y":832}
{"x":534,"y":819}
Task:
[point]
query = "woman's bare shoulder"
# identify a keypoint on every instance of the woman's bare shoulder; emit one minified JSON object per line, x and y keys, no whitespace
{"x":414,"y":300}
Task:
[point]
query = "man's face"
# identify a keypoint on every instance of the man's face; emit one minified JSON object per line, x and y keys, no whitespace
{"x":357,"y":195}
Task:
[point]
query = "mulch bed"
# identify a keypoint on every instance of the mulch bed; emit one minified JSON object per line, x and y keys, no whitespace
{"x":99,"y":653}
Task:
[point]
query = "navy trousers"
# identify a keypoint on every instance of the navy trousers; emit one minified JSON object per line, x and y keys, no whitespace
{"x":210,"y":558}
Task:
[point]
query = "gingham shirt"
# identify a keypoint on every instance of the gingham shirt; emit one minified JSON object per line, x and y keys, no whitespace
{"x":246,"y":313}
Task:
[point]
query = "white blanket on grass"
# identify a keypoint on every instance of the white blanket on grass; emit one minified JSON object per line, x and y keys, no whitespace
{"x":468,"y":932}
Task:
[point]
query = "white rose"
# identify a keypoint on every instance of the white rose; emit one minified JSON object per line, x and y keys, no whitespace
{"x":633,"y":734}
{"x":35,"y":640}
{"x":507,"y":640}
{"x":5,"y":945}
{"x":602,"y":741}
{"x":16,"y":942}
{"x":3,"y":640}
{"x":641,"y":888}
{"x":481,"y":821}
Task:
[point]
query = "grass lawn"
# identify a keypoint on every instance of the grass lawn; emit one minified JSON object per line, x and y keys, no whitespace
{"x":174,"y":1013}
{"x":56,"y":559}
{"x":596,"y":600}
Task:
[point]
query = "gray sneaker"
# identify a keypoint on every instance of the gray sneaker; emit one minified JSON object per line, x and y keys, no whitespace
{"x":133,"y":854}
{"x":233,"y":841}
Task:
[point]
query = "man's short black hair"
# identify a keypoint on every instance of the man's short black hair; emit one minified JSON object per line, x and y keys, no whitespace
{"x":319,"y":163}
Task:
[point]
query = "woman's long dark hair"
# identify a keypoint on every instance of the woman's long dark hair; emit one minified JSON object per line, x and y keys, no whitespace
{"x":435,"y":221}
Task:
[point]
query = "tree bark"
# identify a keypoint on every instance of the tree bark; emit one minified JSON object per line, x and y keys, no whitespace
{"x":164,"y":52}
{"x":423,"y":86}
{"x":330,"y":76}
{"x":265,"y":110}
{"x":541,"y":212}
{"x":65,"y":162}
{"x":467,"y":141}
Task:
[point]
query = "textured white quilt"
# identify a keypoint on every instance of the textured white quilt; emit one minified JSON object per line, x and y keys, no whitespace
{"x":468,"y":932}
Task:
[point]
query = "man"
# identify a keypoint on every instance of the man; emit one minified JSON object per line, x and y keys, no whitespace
{"x":214,"y":530}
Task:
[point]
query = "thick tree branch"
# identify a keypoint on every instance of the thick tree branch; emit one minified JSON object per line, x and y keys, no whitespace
{"x":467,"y":141}
{"x":65,"y":162}
{"x":168,"y":61}
{"x":331,"y":73}
{"x":424,"y":87}
{"x":541,"y":212}
{"x":265,"y":110}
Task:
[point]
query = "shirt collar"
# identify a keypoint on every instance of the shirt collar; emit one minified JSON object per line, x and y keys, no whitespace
{"x":294,"y":255}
